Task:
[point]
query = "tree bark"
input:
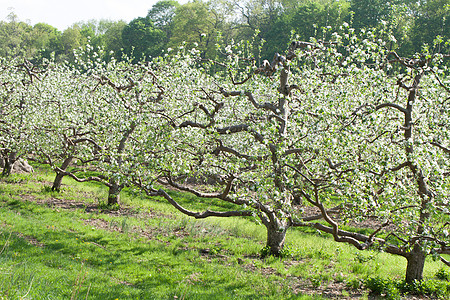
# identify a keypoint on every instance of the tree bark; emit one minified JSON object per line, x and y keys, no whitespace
{"x":275,"y":240}
{"x":115,"y":188}
{"x":59,"y":175}
{"x":9,"y":160}
{"x":416,"y":262}
{"x":114,"y":193}
{"x":7,"y":169}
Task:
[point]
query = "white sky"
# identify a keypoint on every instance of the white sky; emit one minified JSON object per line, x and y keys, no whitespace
{"x":63,"y":13}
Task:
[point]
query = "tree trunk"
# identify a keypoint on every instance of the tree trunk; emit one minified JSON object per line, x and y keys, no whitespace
{"x":6,"y":169}
{"x":114,"y":193}
{"x":115,"y":188}
{"x":59,"y":176}
{"x":416,"y":262}
{"x":9,"y":160}
{"x":275,"y":240}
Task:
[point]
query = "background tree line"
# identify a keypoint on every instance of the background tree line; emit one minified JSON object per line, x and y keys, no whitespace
{"x":168,"y":24}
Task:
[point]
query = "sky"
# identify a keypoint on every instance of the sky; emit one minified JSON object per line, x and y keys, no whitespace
{"x":63,"y":13}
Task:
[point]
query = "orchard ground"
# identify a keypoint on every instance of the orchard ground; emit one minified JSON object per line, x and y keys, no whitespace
{"x":68,"y":245}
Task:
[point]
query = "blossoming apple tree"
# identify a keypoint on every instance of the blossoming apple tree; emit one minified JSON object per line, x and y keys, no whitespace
{"x":344,"y":130}
{"x":345,"y":126}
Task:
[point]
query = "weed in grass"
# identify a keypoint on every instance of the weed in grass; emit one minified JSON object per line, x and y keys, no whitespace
{"x":112,"y":224}
{"x":382,"y":286}
{"x":46,"y":189}
{"x":16,"y":178}
{"x":340,"y":277}
{"x":14,"y":203}
{"x":319,"y":254}
{"x":78,"y":284}
{"x":443,"y":274}
{"x":124,"y":226}
{"x":288,"y":251}
{"x":363,"y":258}
{"x":393,"y":289}
{"x":265,"y":252}
{"x":104,"y":206}
{"x":433,"y":288}
{"x":354,"y":283}
{"x":316,"y":281}
{"x":360,"y":268}
{"x":6,"y":244}
{"x":40,"y":178}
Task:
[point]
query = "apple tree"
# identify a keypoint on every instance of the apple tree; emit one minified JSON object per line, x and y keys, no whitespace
{"x":114,"y":103}
{"x":382,"y":151}
{"x":344,"y":126}
{"x":16,"y":77}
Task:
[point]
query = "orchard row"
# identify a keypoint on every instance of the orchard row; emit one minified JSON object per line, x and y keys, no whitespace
{"x":345,"y":126}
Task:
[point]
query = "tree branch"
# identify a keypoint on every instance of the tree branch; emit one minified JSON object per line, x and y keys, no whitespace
{"x":222,"y":196}
{"x":392,"y":105}
{"x":445,"y":149}
{"x":445,"y":261}
{"x":266,"y":105}
{"x":241,"y":128}
{"x":81,"y":140}
{"x":222,"y":148}
{"x":205,"y":214}
{"x":90,"y":178}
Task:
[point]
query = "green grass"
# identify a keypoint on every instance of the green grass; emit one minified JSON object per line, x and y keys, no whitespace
{"x":147,"y":250}
{"x":46,"y":253}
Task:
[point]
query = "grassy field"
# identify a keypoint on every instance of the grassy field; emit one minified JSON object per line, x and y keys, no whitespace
{"x":65,"y":246}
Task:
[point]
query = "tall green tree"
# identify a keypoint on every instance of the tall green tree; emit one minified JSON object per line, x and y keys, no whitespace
{"x":91,"y":33}
{"x":196,"y":24}
{"x":369,"y":13}
{"x":305,"y":20}
{"x":256,"y":16}
{"x":44,"y":38}
{"x":162,"y":14}
{"x":432,"y":18}
{"x":142,"y":39}
{"x":71,"y":39}
{"x":113,"y":38}
{"x":14,"y":37}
